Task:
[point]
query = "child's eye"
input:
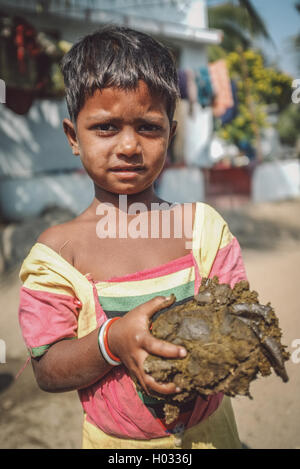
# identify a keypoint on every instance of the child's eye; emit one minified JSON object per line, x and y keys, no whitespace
{"x":105,"y":128}
{"x":150,"y":128}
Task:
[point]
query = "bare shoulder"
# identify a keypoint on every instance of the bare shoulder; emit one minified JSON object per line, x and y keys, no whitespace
{"x":59,"y":238}
{"x":53,"y":235}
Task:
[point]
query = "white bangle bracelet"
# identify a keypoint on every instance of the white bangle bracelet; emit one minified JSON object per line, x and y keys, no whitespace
{"x":102,"y":345}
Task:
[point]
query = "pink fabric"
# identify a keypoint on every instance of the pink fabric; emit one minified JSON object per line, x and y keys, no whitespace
{"x":114,"y":406}
{"x":46,"y":317}
{"x":228,"y":264}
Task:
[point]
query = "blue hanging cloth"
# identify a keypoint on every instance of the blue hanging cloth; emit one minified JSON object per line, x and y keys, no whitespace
{"x":231,"y":112}
{"x":204,"y":86}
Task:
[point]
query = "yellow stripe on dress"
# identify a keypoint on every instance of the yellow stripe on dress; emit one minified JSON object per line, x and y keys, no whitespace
{"x":210,"y":234}
{"x":147,"y":286}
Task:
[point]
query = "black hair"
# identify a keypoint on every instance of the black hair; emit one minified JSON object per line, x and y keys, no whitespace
{"x":118,"y":56}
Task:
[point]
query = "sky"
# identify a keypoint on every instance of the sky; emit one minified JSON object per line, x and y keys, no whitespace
{"x":282,"y":21}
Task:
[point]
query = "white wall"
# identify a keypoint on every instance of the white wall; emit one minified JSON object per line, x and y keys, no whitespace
{"x":37,"y":167}
{"x":182,"y":185}
{"x":28,"y":197}
{"x":276,"y":180}
{"x":193,"y":56}
{"x":35,"y":142}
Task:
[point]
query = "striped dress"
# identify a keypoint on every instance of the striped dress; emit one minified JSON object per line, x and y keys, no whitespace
{"x":59,"y":302}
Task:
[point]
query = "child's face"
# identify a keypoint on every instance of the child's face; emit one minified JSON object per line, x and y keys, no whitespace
{"x":122,"y":138}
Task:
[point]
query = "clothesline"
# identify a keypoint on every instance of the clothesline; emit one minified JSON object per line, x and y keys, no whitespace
{"x":210,"y":86}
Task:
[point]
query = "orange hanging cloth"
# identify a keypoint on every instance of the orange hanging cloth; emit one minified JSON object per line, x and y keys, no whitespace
{"x":222,"y":87}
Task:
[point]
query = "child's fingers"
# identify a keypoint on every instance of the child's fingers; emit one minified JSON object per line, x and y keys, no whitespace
{"x":136,"y":367}
{"x":161,"y":388}
{"x":148,"y":382}
{"x":163,"y":348}
{"x":142,"y":381}
{"x":157,"y":303}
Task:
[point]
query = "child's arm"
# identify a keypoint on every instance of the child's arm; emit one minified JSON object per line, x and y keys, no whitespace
{"x":75,"y":364}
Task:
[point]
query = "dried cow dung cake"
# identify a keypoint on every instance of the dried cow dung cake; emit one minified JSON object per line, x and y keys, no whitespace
{"x":230,"y":338}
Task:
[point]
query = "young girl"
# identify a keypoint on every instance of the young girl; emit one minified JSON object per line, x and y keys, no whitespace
{"x":94,"y":281}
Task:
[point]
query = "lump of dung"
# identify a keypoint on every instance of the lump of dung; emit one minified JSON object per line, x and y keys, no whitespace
{"x":230,"y":338}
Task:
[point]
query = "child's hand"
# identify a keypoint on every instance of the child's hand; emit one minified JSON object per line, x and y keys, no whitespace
{"x":129,"y":339}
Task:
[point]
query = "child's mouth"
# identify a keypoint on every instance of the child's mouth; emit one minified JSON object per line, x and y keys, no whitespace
{"x":127,"y":169}
{"x":127,"y":172}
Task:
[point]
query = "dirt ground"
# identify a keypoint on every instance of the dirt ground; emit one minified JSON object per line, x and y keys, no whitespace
{"x":270,"y":238}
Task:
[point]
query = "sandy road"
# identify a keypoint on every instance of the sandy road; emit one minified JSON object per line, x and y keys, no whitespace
{"x":272,"y":418}
{"x":30,"y":418}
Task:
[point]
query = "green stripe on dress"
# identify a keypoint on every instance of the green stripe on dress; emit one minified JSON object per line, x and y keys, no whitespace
{"x":113,"y":314}
{"x":38,"y":351}
{"x":127,"y":303}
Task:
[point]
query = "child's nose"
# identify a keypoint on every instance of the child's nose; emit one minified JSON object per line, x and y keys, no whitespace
{"x":128,"y":144}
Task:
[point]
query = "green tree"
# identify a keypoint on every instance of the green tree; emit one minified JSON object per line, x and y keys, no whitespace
{"x":258,"y":86}
{"x":240,"y":23}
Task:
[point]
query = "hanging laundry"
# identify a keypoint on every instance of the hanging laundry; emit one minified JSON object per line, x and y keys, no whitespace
{"x":204,"y":87}
{"x":182,"y":82}
{"x":222,"y":87}
{"x":231,"y":112}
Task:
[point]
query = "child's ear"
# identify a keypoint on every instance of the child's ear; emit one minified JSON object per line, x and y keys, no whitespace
{"x":172,"y":130}
{"x":70,"y":131}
